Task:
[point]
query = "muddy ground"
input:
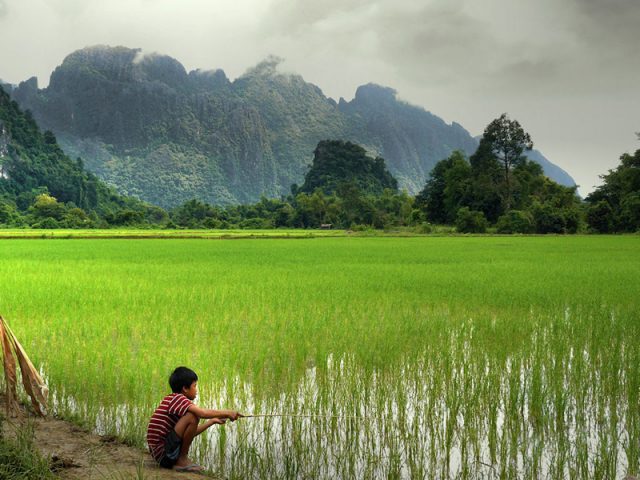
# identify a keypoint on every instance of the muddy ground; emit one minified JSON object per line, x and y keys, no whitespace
{"x":77,"y":454}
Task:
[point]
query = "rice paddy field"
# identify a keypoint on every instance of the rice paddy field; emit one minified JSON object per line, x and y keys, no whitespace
{"x":451,"y":357}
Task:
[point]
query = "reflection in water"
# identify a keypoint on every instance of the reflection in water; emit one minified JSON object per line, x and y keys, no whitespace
{"x":474,"y":421}
{"x":559,"y":399}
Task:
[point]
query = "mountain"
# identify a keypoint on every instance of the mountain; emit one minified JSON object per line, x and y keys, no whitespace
{"x":551,"y":170}
{"x":155,"y":131}
{"x":410,"y":139}
{"x":338,"y":165}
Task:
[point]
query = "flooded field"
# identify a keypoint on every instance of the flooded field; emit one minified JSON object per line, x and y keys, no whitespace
{"x":505,"y":357}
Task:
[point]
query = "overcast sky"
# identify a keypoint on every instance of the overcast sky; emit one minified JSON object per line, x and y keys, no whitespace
{"x":568,"y":70}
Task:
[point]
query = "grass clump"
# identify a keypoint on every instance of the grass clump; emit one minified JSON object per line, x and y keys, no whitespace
{"x":19,"y":459}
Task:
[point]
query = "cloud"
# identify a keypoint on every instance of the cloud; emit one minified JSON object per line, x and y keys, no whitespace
{"x":618,"y":18}
{"x":267,"y":67}
{"x":546,"y":47}
{"x":424,"y":42}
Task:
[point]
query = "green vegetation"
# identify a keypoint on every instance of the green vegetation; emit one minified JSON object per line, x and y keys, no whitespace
{"x":498,"y":185}
{"x":156,"y":132}
{"x":615,"y":206}
{"x":496,"y":190}
{"x":338,"y":165}
{"x":19,"y":459}
{"x":43,"y":188}
{"x":186,"y":233}
{"x":508,"y":357}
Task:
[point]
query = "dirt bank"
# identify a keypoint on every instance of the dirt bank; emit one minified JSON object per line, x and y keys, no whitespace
{"x":77,"y":454}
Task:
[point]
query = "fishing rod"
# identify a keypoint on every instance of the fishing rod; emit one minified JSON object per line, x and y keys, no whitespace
{"x":267,"y":415}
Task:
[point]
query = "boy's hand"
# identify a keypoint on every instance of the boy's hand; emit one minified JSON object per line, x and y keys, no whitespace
{"x":210,"y":423}
{"x":233,"y":416}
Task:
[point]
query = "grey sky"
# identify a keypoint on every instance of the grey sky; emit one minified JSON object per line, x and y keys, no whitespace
{"x":569,"y":71}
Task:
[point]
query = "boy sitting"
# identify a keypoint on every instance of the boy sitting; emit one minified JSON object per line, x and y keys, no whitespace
{"x":175,"y":422}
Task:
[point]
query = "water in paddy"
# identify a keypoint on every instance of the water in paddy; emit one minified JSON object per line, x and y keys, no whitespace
{"x":457,"y":411}
{"x":560,"y":400}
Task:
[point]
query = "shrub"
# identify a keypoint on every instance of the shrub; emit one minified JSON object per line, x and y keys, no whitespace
{"x":547,"y":219}
{"x":599,"y":217}
{"x":424,"y":227}
{"x":630,"y":213}
{"x":572,"y":220}
{"x":47,"y":223}
{"x":125,"y":217}
{"x":360,"y":227}
{"x":255,"y":223}
{"x":77,"y":218}
{"x":46,"y":206}
{"x":8,"y":213}
{"x":470,"y":221}
{"x":515,"y":221}
{"x":550,"y":219}
{"x":211,"y":223}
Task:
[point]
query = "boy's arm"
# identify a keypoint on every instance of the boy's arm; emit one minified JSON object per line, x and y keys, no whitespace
{"x":207,"y":413}
{"x":212,"y":421}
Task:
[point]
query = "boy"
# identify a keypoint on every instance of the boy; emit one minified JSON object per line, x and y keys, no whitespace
{"x":175,"y":422}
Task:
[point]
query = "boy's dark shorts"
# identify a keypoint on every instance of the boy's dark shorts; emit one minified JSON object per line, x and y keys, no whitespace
{"x":172,"y":446}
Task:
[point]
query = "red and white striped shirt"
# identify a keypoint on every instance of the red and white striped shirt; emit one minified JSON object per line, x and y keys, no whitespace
{"x":163,"y":420}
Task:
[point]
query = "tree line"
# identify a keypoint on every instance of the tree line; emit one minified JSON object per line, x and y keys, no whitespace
{"x":497,"y":189}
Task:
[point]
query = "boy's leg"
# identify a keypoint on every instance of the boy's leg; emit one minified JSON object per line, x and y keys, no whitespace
{"x":186,"y":428}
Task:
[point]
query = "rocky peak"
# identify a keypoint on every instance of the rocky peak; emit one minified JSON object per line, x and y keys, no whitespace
{"x":119,"y":64}
{"x":209,"y":80}
{"x":373,"y":93}
{"x":108,"y":63}
{"x":161,"y":68}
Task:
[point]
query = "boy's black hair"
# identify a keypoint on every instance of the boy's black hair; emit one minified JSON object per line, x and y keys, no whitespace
{"x":182,"y":377}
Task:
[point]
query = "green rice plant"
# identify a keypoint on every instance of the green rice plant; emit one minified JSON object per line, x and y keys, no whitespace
{"x":485,"y":357}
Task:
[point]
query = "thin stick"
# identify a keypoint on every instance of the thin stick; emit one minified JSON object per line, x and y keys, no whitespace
{"x":255,"y":415}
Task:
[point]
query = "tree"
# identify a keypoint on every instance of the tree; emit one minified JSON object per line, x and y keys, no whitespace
{"x":446,"y":190}
{"x":600,"y":217}
{"x":507,"y":141}
{"x":46,"y":206}
{"x":621,"y":192}
{"x":549,"y":217}
{"x":193,"y":213}
{"x":77,"y":218}
{"x":8,"y":213}
{"x":470,"y":221}
{"x":486,"y":178}
{"x":515,"y":221}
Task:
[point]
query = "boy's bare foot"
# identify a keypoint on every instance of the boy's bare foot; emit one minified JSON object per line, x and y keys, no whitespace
{"x":184,"y":464}
{"x":194,"y":467}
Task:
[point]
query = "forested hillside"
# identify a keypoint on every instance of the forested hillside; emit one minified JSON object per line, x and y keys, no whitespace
{"x":153,"y":130}
{"x":42,"y":187}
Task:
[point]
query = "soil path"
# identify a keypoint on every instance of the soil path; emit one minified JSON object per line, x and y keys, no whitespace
{"x":79,"y":455}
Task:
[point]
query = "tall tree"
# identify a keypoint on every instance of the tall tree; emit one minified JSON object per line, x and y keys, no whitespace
{"x":507,"y":141}
{"x":615,"y":205}
{"x":446,"y":190}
